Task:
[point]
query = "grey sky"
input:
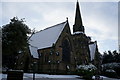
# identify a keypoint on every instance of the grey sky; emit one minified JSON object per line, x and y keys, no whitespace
{"x":99,"y":18}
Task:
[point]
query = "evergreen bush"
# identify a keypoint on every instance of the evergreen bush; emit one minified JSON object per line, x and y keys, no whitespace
{"x":87,"y":71}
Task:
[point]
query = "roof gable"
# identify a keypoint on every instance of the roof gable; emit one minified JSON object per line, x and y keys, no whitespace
{"x":45,"y":38}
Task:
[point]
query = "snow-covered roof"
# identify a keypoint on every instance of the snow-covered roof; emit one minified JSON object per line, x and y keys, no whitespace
{"x":92,"y":48}
{"x":45,"y":38}
{"x":33,"y":51}
{"x":78,"y":32}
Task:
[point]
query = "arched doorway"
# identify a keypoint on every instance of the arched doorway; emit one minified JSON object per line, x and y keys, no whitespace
{"x":66,"y":49}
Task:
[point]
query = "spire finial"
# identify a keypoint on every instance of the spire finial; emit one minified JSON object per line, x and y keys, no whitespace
{"x":66,"y":18}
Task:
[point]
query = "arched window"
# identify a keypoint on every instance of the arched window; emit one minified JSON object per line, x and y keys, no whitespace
{"x":66,"y":50}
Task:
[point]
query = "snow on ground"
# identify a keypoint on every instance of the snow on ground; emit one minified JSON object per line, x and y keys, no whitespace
{"x":26,"y":75}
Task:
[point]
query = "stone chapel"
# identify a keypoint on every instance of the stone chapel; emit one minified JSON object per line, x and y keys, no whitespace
{"x":56,"y":50}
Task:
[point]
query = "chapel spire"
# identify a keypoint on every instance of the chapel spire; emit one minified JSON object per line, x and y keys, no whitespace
{"x":78,"y":26}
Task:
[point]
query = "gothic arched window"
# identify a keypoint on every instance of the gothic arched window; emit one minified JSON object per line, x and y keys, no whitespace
{"x":66,"y":51}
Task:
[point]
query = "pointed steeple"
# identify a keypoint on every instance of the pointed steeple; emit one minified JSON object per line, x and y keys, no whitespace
{"x":78,"y":26}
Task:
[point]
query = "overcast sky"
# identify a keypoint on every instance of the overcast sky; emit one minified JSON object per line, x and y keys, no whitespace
{"x":100,"y":19}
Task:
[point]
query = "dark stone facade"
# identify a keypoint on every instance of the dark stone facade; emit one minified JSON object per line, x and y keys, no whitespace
{"x":60,"y":57}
